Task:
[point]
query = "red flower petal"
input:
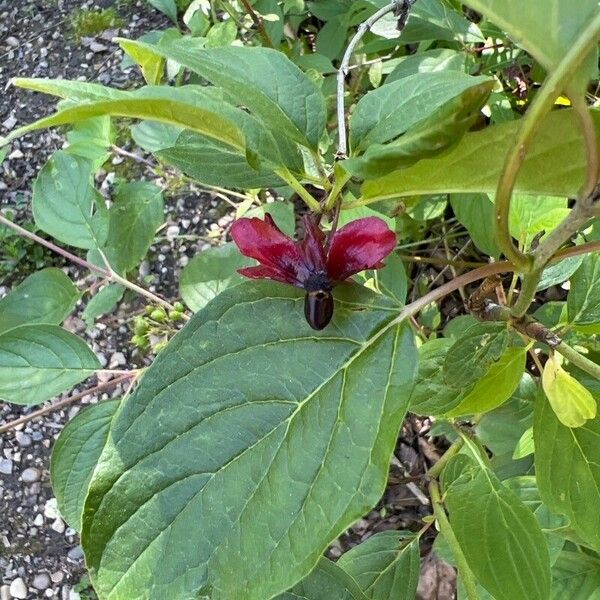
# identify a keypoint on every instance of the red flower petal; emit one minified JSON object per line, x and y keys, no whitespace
{"x":260,"y":272}
{"x":359,"y":245}
{"x":312,"y":245}
{"x":264,"y":241}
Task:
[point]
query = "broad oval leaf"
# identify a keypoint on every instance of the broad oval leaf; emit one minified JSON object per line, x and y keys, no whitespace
{"x":385,"y":113}
{"x":567,"y":466}
{"x":38,"y":362}
{"x":499,"y":536}
{"x":387,"y":565}
{"x":209,"y":273}
{"x":250,"y":435}
{"x":576,"y":576}
{"x":103,"y":302}
{"x":66,"y":205}
{"x":47,"y":296}
{"x":476,"y":213}
{"x":475,"y":163}
{"x":134,"y":217}
{"x":439,"y":59}
{"x":75,"y":455}
{"x":325,"y":582}
{"x":265,"y":81}
{"x":496,"y":386}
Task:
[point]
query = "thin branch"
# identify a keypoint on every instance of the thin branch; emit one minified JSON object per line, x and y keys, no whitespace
{"x":66,"y":401}
{"x":400,"y":7}
{"x":579,"y":360}
{"x":109,"y":275}
{"x":260,"y":25}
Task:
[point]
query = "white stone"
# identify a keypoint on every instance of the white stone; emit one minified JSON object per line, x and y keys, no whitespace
{"x":41,"y":581}
{"x":15,"y":154}
{"x":51,"y":509}
{"x":12,"y":41}
{"x":58,"y":525}
{"x":10,"y":122}
{"x":6,"y":466}
{"x":96,"y":47}
{"x":39,"y":520}
{"x":31,"y":475}
{"x":18,"y":589}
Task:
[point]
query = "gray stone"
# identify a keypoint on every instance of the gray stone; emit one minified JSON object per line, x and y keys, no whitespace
{"x":6,"y":466}
{"x":57,"y":576}
{"x":23,"y":439}
{"x":41,"y":581}
{"x":96,"y":47}
{"x":10,"y":122}
{"x":31,"y":475}
{"x":18,"y":589}
{"x":11,"y":41}
{"x":75,"y":554}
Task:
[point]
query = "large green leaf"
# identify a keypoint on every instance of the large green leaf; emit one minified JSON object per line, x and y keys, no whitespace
{"x":38,"y":362}
{"x":74,"y":458}
{"x":92,"y":139}
{"x":475,"y":163}
{"x":135,"y":215}
{"x":177,"y":106}
{"x":387,"y":112}
{"x":583,"y":301}
{"x":167,"y":7}
{"x":385,"y":566}
{"x":209,"y":273}
{"x":47,"y":296}
{"x":499,"y":536}
{"x":439,"y":59}
{"x":265,"y":81}
{"x":531,"y":215}
{"x":267,"y":440}
{"x":326,"y":582}
{"x":66,"y":205}
{"x":576,"y":576}
{"x":545,"y":28}
{"x":567,"y":466}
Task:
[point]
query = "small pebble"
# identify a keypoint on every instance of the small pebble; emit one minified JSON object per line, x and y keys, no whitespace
{"x":58,"y":526}
{"x":10,"y":122}
{"x":18,"y":589}
{"x":39,"y":520}
{"x":75,"y":553}
{"x":41,"y":581}
{"x":12,"y":41}
{"x":6,"y":466}
{"x":4,"y":593}
{"x":23,"y":439}
{"x":30,"y":475}
{"x":57,"y":576}
{"x":15,"y":154}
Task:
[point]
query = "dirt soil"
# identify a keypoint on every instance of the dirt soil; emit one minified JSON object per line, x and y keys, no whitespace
{"x":40,"y":556}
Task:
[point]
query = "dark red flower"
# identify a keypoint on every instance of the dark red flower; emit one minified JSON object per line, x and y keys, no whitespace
{"x":309,"y":264}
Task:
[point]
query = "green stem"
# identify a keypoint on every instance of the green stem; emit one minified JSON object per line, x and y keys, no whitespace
{"x":579,"y":360}
{"x":438,"y":467}
{"x":527,"y":293}
{"x":543,"y":102}
{"x":341,"y":179}
{"x":446,"y":529}
{"x":310,"y":200}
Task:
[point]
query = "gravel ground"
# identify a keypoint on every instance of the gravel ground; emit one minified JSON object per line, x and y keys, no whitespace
{"x":40,"y":556}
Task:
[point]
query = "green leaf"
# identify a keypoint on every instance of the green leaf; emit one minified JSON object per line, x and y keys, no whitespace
{"x":501,"y":429}
{"x":185,"y":106}
{"x":567,"y":466}
{"x":103,"y":302}
{"x":75,"y":455}
{"x":476,"y":213}
{"x":525,"y":445}
{"x":136,"y":214}
{"x":325,"y":582}
{"x":530,"y":215}
{"x":64,"y":201}
{"x":209,"y":273}
{"x":153,"y":136}
{"x":229,"y":472}
{"x":576,"y":576}
{"x":431,"y":395}
{"x":151,"y":65}
{"x":386,"y":113}
{"x":559,"y":272}
{"x":221,"y":34}
{"x":386,"y":565}
{"x":496,"y":386}
{"x":569,"y":399}
{"x":430,"y":136}
{"x":265,"y":81}
{"x":435,"y":20}
{"x":167,"y":7}
{"x":546,"y":29}
{"x":583,"y":301}
{"x":392,"y":280}
{"x":92,"y":139}
{"x":470,"y":357}
{"x":38,"y":362}
{"x":499,"y":536}
{"x":439,"y":59}
{"x":47,"y":296}
{"x":475,"y":163}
